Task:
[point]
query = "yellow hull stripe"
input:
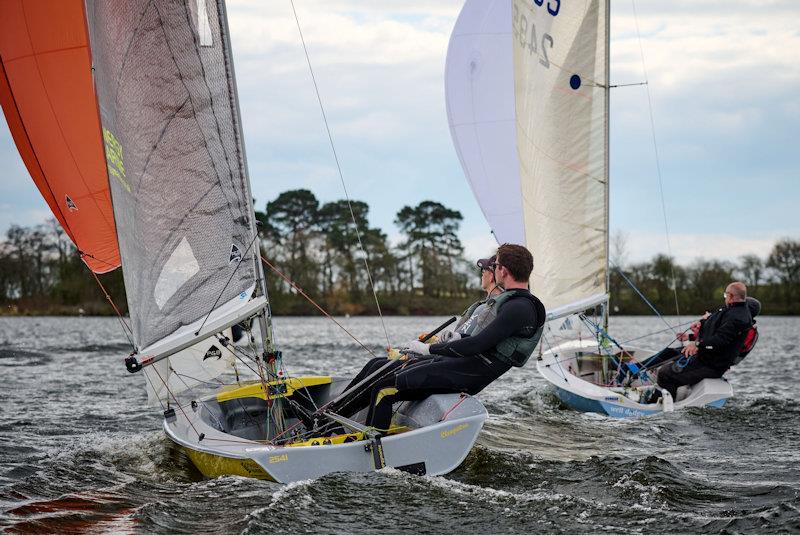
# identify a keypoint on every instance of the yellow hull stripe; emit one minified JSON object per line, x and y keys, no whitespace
{"x":211,"y":465}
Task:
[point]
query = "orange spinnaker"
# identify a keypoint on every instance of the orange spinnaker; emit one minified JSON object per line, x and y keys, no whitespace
{"x":47,"y":94}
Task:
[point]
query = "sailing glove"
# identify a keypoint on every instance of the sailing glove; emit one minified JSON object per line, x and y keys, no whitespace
{"x":421,"y":348}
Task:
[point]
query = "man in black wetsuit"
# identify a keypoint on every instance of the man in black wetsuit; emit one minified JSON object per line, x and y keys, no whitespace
{"x":471,"y":363}
{"x":719,"y":339}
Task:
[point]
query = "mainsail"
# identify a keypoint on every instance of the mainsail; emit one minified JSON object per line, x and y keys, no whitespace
{"x":182,"y":203}
{"x":526,"y":88}
{"x":48,"y":98}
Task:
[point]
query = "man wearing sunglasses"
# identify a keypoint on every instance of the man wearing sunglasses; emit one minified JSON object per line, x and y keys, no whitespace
{"x":713,"y":349}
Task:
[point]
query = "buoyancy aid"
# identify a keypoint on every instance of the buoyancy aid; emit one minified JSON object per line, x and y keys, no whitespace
{"x":754,"y":305}
{"x":748,"y":345}
{"x":514,"y":350}
{"x":465,"y":324}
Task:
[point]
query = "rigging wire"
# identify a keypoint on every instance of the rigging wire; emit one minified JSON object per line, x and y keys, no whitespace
{"x":221,"y":292}
{"x":177,"y":403}
{"x":126,"y":329}
{"x":153,"y":387}
{"x":301,"y":292}
{"x":658,"y":163}
{"x":672,"y":328}
{"x":341,"y":175}
{"x":626,"y":85}
{"x":647,"y":301}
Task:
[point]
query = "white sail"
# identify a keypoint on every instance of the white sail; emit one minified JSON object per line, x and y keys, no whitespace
{"x":526,"y":88}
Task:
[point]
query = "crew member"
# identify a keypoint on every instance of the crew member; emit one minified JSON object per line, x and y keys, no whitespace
{"x":469,"y":322}
{"x":719,"y":338}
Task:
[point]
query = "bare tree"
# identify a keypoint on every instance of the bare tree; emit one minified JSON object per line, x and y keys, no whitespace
{"x":785,"y":261}
{"x":619,"y":249}
{"x":751,"y":270}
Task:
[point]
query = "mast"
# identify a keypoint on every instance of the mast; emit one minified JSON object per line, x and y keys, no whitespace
{"x":607,"y":155}
{"x":265,"y":319}
{"x":265,"y":315}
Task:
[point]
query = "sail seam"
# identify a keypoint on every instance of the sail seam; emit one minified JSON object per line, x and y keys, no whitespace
{"x":221,"y":292}
{"x":206,"y":143}
{"x":211,"y":100}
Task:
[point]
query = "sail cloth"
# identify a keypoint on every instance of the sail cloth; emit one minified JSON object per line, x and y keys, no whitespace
{"x":170,"y":124}
{"x":48,"y":98}
{"x":195,"y":366}
{"x":526,"y":85}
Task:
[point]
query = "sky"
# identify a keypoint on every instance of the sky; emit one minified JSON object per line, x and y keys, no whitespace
{"x":724,"y":80}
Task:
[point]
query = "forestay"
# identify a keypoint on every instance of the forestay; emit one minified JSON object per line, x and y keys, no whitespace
{"x":176,"y":166}
{"x":526,"y":88}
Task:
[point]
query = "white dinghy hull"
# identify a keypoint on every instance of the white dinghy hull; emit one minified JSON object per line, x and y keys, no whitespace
{"x":573,"y":370}
{"x":434,"y":437}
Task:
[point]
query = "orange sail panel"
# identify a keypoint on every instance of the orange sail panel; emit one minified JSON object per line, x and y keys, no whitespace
{"x":47,"y":94}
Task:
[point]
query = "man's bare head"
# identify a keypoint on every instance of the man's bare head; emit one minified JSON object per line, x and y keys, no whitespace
{"x":736,"y":292}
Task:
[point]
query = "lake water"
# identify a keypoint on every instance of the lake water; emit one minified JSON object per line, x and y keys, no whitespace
{"x":80,"y":451}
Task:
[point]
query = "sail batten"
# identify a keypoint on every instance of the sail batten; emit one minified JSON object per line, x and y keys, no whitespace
{"x":540,"y":180}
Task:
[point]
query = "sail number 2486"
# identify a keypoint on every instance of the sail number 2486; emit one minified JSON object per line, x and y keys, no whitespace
{"x":525,"y":32}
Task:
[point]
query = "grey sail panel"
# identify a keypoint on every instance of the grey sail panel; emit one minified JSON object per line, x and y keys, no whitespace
{"x":175,"y":160}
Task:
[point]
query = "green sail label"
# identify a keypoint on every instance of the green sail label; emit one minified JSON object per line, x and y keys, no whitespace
{"x":116,"y":165}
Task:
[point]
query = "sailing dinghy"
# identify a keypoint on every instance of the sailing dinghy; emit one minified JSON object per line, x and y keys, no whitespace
{"x":126,"y":115}
{"x":528,"y":106}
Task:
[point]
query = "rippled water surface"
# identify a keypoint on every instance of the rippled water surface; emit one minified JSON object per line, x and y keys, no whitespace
{"x":80,"y":451}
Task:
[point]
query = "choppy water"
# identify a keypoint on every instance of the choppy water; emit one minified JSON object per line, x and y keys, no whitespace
{"x":80,"y":452}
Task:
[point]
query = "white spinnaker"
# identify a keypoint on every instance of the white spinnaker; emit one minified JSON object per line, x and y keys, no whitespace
{"x":479,"y":85}
{"x":541,"y":180}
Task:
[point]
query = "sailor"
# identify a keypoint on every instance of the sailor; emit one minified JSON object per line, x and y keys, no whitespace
{"x":505,"y":336}
{"x":468,"y":323}
{"x":720,"y":337}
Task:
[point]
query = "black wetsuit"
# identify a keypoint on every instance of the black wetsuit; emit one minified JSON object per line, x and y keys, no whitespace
{"x":720,"y":338}
{"x":465,"y":365}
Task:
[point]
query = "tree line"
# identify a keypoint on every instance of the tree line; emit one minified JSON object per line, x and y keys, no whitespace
{"x":774,"y":280}
{"x":322,"y":247}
